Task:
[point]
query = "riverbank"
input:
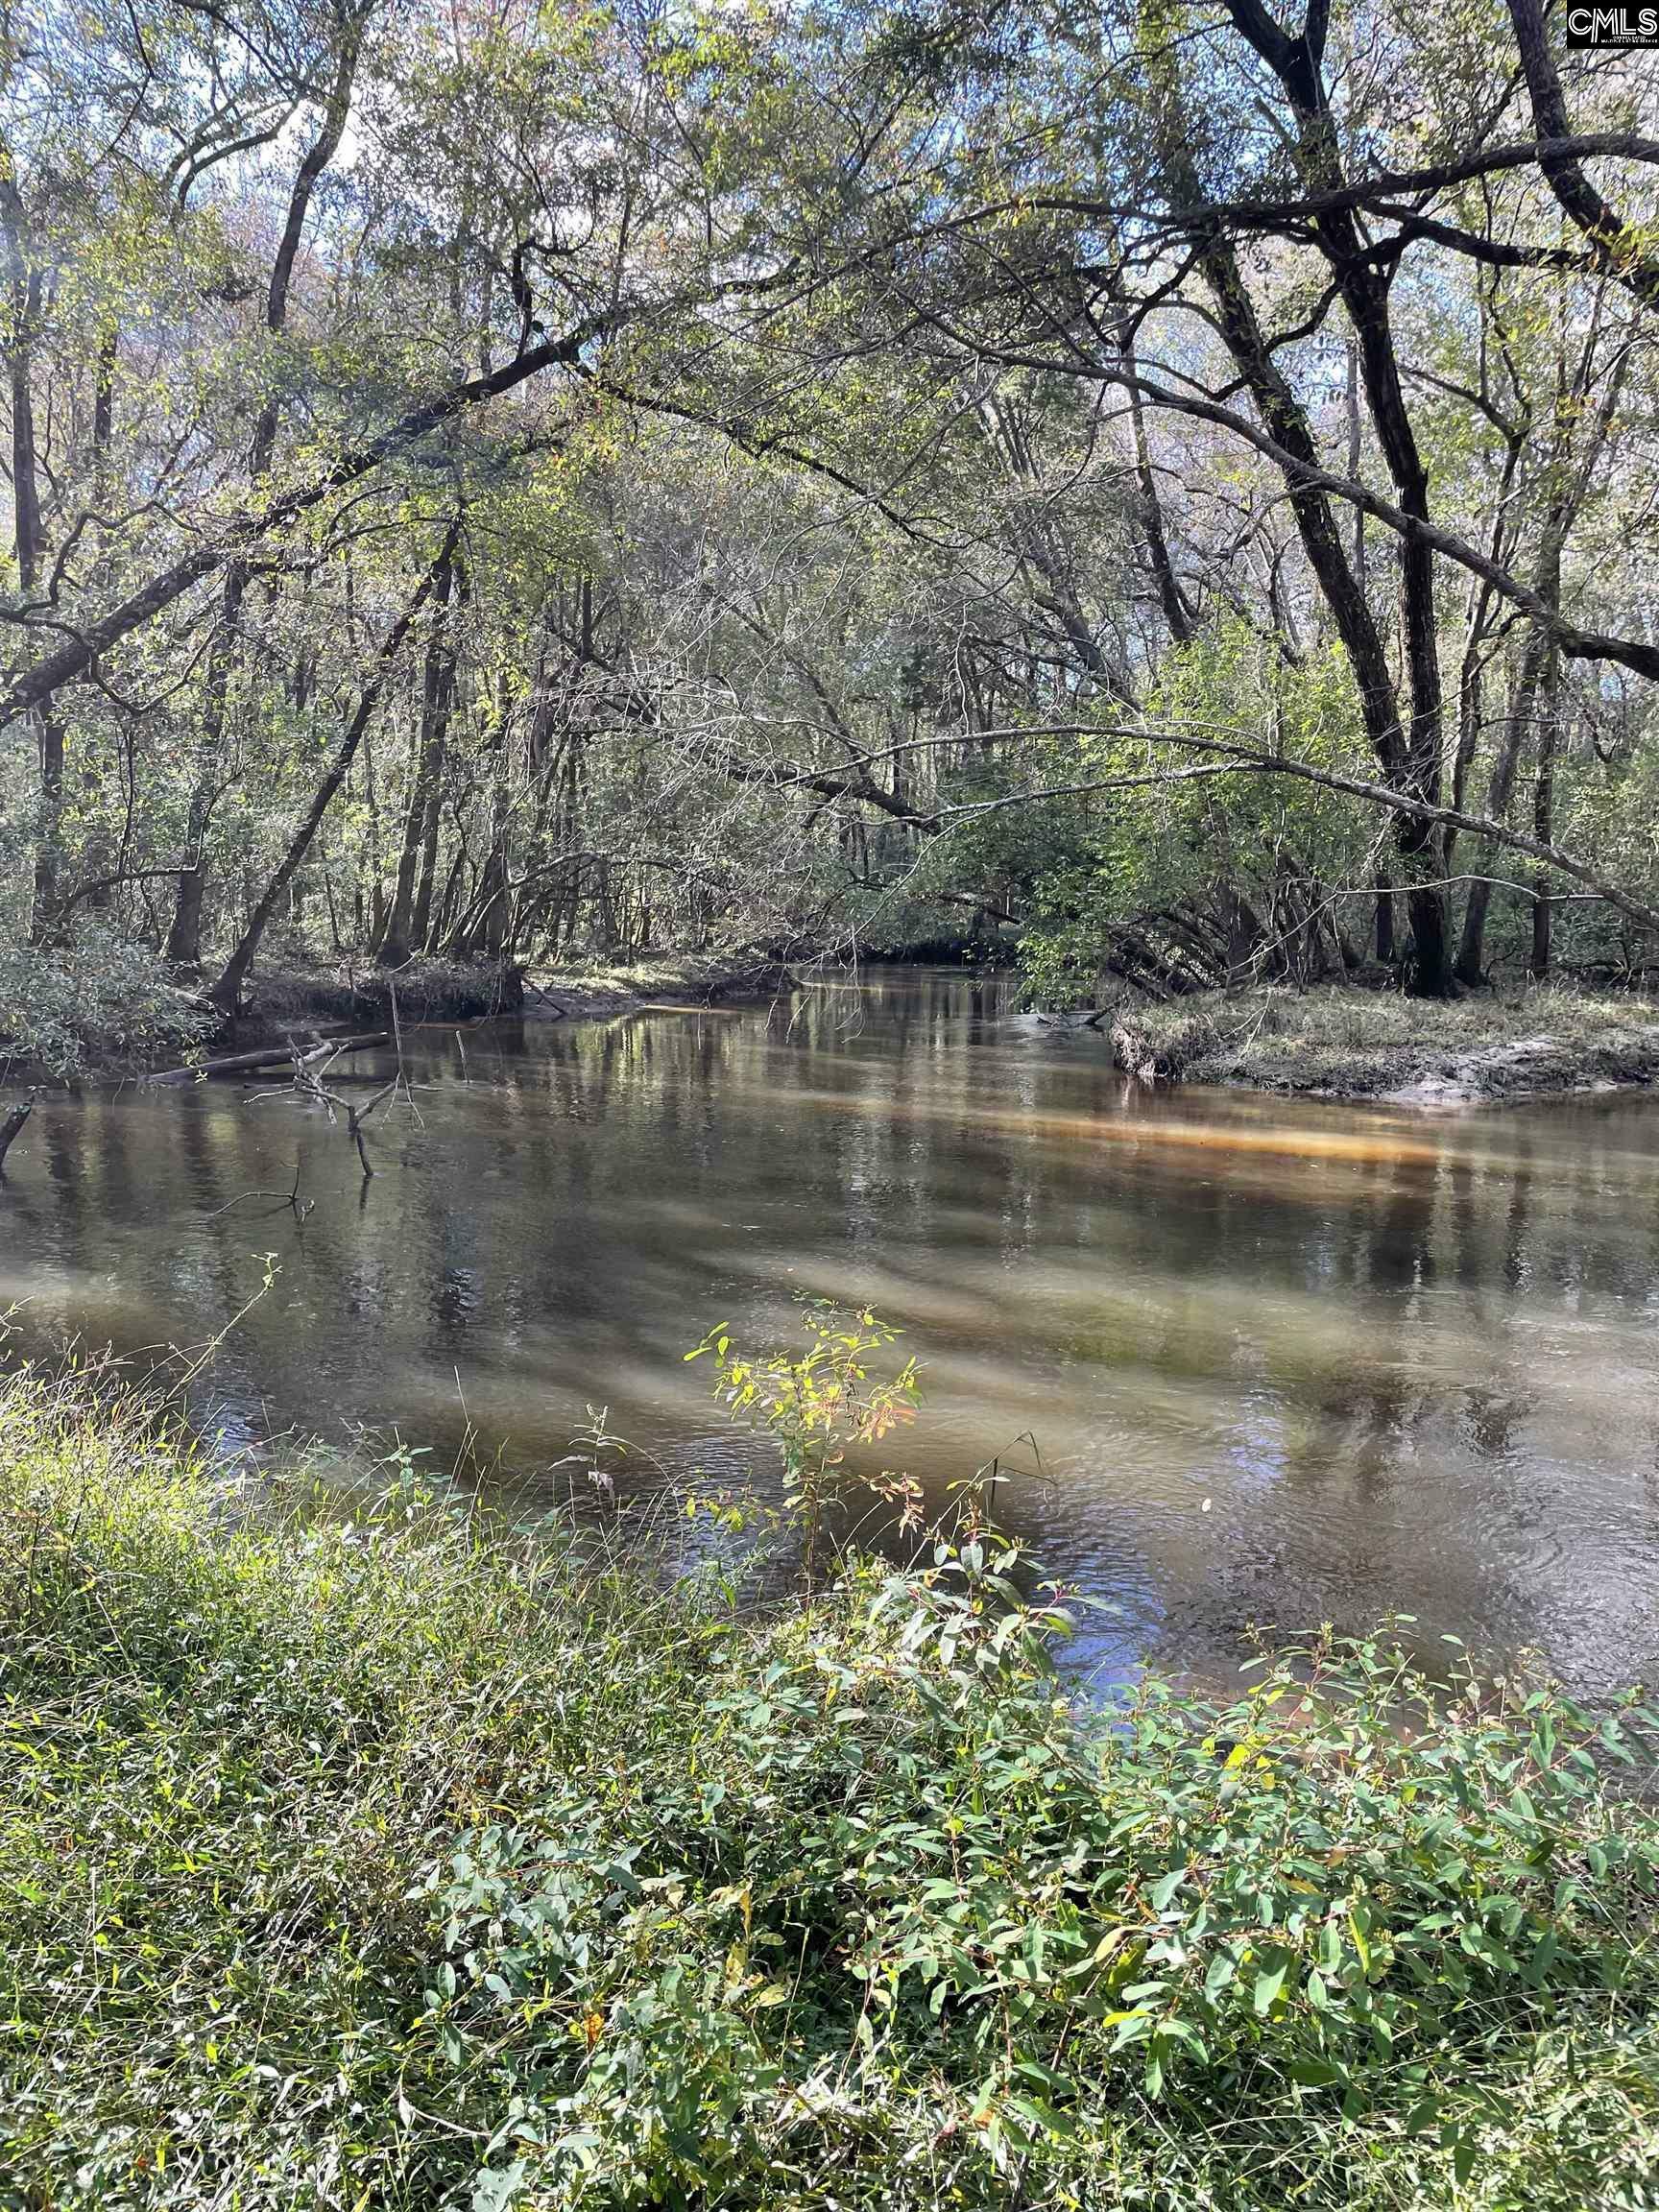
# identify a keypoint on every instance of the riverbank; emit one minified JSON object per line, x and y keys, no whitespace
{"x":1330,"y":1042}
{"x":72,"y":1018}
{"x":62,"y":1027}
{"x":590,"y":990}
{"x":285,"y":1000}
{"x":436,"y":990}
{"x":415,"y":1859}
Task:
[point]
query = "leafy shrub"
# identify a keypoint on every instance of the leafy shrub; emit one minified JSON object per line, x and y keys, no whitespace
{"x":100,"y":998}
{"x":408,"y":1858}
{"x":1117,"y":868}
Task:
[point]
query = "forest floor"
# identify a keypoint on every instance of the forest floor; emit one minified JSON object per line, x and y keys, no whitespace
{"x":1338,"y":1043}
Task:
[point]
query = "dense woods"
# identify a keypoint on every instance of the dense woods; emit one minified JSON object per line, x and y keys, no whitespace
{"x":1175,"y":486}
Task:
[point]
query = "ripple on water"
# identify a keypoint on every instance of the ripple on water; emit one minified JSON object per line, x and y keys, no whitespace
{"x":1244,"y":1357}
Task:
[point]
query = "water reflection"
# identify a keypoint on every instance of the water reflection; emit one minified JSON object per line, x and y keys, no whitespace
{"x":1282,"y":1361}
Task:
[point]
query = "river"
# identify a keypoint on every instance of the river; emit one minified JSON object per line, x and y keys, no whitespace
{"x":1247,"y":1359}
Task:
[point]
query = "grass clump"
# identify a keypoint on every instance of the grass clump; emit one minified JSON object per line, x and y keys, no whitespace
{"x":410,"y":1860}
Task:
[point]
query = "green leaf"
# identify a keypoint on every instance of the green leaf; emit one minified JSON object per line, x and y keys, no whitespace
{"x":1269,"y":1982}
{"x":1166,"y":1887}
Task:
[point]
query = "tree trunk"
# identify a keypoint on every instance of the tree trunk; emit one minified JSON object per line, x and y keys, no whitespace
{"x":421,"y":931}
{"x":1386,"y":951}
{"x":24,"y":315}
{"x":228,"y":989}
{"x":1297,"y":64}
{"x":1620,"y":249}
{"x":1176,"y":613}
{"x":1541,"y":661}
{"x":1544,"y":813}
{"x":104,"y":403}
{"x":1356,"y":453}
{"x":1408,"y":756}
{"x":409,"y":918}
{"x":1471,"y":954}
{"x":184,"y":938}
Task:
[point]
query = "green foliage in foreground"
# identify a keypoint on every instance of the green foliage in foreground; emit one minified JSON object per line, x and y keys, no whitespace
{"x":415,"y":1862}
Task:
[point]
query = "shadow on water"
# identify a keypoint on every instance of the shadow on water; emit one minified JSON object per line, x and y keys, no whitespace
{"x":1282,"y":1361}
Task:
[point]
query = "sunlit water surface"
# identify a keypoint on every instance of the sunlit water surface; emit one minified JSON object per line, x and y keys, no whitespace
{"x":1253,"y":1360}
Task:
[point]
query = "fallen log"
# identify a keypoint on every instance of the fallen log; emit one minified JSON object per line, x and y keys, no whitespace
{"x":273,"y":1056}
{"x":277,"y":1078}
{"x":12,"y":1128}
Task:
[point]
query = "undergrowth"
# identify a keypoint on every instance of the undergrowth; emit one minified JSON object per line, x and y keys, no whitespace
{"x":412,"y":1859}
{"x":95,"y":1002}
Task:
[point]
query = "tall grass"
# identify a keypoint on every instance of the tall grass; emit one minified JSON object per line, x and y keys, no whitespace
{"x":410,"y":1860}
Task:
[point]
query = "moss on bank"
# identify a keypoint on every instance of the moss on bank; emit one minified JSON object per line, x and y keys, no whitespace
{"x":1379,"y":1045}
{"x":411,"y":1861}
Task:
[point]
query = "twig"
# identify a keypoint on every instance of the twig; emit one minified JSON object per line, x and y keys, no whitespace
{"x":356,"y":1115}
{"x":12,"y":1128}
{"x":299,"y":1206}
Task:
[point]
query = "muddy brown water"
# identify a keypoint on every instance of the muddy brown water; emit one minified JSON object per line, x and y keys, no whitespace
{"x":1247,"y":1359}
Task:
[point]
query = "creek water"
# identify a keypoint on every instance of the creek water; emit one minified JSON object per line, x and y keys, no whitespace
{"x":1245,"y":1358}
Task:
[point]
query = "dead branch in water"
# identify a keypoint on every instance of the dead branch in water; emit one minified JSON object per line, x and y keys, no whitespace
{"x":298,"y":1206}
{"x":356,"y":1115}
{"x":274,"y":1056}
{"x":308,"y":1071}
{"x":308,"y":1085}
{"x":12,"y":1128}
